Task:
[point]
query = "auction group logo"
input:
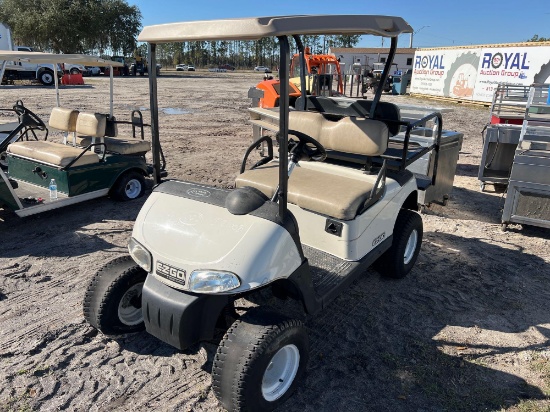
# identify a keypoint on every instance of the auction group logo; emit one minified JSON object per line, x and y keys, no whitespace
{"x":497,"y":60}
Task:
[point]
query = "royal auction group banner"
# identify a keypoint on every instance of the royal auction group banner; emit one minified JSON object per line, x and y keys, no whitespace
{"x":472,"y":74}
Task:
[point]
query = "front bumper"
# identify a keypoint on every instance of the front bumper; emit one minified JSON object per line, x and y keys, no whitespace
{"x":179,"y":318}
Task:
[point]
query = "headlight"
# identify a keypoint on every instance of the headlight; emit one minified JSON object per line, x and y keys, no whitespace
{"x":140,"y":255}
{"x":212,"y":281}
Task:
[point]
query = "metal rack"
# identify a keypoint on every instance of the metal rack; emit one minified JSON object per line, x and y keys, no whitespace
{"x":502,"y":133}
{"x":528,"y":196}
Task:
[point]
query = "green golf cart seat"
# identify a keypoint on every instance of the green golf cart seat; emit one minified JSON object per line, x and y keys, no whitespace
{"x":90,"y":125}
{"x":64,"y":120}
{"x":56,"y":154}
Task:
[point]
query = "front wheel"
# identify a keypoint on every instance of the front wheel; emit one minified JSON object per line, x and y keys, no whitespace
{"x":259,"y":361}
{"x":129,"y":186}
{"x":400,"y":258}
{"x":112,"y":303}
{"x":75,"y":71}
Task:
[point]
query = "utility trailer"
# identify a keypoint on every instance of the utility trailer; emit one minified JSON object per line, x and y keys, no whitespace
{"x":303,"y":225}
{"x":501,"y":135}
{"x":528,"y":195}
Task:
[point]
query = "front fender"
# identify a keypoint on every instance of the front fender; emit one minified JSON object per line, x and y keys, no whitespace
{"x":179,"y":318}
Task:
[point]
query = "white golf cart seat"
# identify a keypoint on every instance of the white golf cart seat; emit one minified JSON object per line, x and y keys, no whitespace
{"x":55,"y":154}
{"x":328,"y":192}
{"x":94,"y":125}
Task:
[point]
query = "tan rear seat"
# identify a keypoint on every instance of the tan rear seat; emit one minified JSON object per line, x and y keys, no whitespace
{"x":120,"y":145}
{"x":53,"y":153}
{"x":93,"y":125}
{"x":341,"y":197}
{"x":354,"y":135}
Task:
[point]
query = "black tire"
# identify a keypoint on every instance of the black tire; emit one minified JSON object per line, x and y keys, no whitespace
{"x":246,"y":352}
{"x":129,"y":186}
{"x":400,"y":258}
{"x":112,"y":303}
{"x":46,"y":77}
{"x":75,"y":71}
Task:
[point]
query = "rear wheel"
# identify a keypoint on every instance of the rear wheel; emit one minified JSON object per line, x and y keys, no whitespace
{"x":75,"y":71}
{"x":46,"y":77}
{"x":400,"y":258}
{"x":112,"y":303}
{"x":259,"y":361}
{"x":129,"y":186}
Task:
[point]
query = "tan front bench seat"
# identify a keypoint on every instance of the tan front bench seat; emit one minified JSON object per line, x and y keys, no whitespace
{"x":330,"y":194}
{"x":56,"y":154}
{"x":93,"y":125}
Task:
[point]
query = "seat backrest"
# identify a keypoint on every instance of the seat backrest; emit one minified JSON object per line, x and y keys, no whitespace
{"x":63,"y":119}
{"x":91,"y":124}
{"x":355,"y":135}
{"x":387,"y":112}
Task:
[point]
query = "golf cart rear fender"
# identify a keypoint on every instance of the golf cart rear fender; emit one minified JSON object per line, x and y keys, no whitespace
{"x":407,"y":198}
{"x":179,"y":318}
{"x":129,"y":169}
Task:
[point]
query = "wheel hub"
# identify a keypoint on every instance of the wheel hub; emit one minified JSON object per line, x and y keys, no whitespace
{"x":280,"y":372}
{"x":129,"y":308}
{"x":411,"y":247}
{"x":133,"y":188}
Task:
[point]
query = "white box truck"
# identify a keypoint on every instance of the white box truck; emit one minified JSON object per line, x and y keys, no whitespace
{"x":44,"y":73}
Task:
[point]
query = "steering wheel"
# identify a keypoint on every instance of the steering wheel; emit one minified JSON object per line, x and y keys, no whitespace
{"x":307,"y":148}
{"x":28,"y":118}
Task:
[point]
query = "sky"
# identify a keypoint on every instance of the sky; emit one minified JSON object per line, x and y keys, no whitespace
{"x":436,"y":23}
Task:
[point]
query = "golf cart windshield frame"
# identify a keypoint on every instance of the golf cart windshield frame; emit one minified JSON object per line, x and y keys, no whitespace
{"x":255,"y":29}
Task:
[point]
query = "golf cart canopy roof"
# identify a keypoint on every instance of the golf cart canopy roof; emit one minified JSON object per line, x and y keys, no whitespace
{"x":253,"y":28}
{"x":38,"y":57}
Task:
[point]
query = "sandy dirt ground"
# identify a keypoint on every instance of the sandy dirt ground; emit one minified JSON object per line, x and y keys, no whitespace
{"x":467,"y":330}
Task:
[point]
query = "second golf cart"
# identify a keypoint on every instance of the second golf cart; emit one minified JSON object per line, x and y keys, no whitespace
{"x":303,"y":224}
{"x":37,"y":175}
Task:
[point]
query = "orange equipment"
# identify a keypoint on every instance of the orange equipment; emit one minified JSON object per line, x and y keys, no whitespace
{"x":272,"y":91}
{"x":321,"y":70}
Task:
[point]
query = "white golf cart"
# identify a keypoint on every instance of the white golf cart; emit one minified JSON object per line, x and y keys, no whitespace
{"x":302,"y":225}
{"x":92,"y":161}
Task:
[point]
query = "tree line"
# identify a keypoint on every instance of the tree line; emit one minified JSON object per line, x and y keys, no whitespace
{"x":110,"y":28}
{"x":536,"y":38}
{"x":73,"y":26}
{"x":241,"y":54}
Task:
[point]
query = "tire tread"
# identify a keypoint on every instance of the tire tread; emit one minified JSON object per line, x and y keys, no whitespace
{"x":101,"y":287}
{"x":259,"y":337}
